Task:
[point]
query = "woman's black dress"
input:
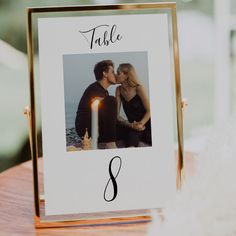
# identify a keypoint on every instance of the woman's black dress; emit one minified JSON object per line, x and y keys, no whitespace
{"x":135,"y":110}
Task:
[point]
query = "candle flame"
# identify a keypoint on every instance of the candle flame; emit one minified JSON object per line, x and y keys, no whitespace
{"x":95,"y":102}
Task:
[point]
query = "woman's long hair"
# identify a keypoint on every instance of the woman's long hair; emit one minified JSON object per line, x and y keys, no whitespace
{"x":129,"y":70}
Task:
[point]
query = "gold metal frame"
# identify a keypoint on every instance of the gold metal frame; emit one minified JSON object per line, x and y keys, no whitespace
{"x":31,"y":112}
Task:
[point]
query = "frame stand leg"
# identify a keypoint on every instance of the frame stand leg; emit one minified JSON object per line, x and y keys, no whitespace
{"x":180,"y":170}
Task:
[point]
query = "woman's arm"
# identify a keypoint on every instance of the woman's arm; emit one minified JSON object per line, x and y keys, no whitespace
{"x":142,"y":94}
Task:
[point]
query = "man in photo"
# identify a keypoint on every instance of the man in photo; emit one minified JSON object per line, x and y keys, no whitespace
{"x":107,"y":112}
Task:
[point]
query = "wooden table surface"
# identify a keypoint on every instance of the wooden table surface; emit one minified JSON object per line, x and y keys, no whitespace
{"x":17,"y":210}
{"x":17,"y":207}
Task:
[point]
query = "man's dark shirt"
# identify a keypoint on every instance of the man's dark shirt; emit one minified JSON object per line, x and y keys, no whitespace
{"x":83,"y":115}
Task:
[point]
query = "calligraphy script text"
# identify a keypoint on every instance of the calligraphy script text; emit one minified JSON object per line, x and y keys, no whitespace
{"x":112,"y":180}
{"x":101,"y":35}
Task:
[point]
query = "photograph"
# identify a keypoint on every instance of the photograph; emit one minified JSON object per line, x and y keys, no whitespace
{"x":107,"y":101}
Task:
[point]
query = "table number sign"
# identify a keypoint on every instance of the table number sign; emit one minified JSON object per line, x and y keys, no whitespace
{"x":110,"y":102}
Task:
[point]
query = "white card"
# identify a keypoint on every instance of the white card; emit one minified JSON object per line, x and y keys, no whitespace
{"x":80,"y":181}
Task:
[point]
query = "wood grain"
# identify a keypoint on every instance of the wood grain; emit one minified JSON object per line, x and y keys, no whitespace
{"x":17,"y":207}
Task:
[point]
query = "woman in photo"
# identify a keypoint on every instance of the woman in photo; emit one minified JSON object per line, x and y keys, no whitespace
{"x":131,"y":94}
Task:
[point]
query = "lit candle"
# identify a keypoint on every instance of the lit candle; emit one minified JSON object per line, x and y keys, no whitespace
{"x":94,"y":133}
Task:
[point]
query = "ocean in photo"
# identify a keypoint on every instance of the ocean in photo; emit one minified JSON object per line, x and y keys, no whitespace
{"x":70,"y":109}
